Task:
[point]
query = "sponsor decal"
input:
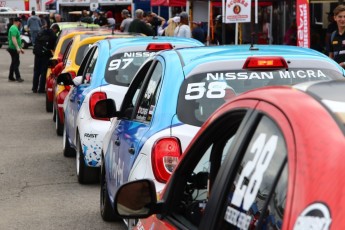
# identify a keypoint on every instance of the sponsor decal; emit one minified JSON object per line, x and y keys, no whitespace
{"x":265,"y":75}
{"x":90,"y":135}
{"x":316,"y":216}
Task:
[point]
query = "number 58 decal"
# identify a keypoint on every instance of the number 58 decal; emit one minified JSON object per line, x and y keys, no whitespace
{"x":263,"y":152}
{"x":197,"y":90}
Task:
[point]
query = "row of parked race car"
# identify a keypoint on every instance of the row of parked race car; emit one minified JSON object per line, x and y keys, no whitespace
{"x":139,"y":109}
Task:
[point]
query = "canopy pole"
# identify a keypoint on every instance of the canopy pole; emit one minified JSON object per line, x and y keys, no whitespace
{"x":208,"y":23}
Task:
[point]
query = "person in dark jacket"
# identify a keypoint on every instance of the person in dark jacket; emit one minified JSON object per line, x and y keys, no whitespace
{"x":139,"y":26}
{"x":43,"y":51}
{"x":198,"y":33}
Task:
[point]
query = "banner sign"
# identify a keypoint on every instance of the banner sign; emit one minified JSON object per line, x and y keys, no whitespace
{"x":237,"y":11}
{"x":303,"y":23}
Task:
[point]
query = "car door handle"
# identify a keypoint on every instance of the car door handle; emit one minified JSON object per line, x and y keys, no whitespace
{"x":131,"y":150}
{"x":117,"y":142}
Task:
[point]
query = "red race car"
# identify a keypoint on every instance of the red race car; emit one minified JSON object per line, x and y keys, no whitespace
{"x":271,"y":158}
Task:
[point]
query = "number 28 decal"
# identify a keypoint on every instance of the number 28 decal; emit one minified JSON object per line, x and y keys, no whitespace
{"x":263,"y":152}
{"x":197,"y":90}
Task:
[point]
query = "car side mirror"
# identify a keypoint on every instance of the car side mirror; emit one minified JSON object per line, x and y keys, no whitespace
{"x":105,"y":109}
{"x":136,"y":199}
{"x":65,"y":79}
{"x":52,"y":63}
{"x":77,"y":80}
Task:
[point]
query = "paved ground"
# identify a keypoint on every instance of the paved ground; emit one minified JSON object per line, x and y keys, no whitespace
{"x":38,"y":185}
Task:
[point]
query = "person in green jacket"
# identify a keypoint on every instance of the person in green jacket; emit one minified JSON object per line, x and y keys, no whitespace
{"x":15,"y":48}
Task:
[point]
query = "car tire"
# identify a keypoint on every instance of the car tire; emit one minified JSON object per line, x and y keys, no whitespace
{"x":0,"y":45}
{"x":25,"y":45}
{"x":49,"y":105}
{"x":59,"y":127}
{"x":107,"y":211}
{"x":85,"y":174}
{"x":68,"y":151}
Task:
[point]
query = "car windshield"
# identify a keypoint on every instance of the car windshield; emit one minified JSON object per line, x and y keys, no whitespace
{"x":121,"y":67}
{"x":202,"y":93}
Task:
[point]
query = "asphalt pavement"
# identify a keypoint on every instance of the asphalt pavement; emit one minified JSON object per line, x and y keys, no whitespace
{"x":38,"y":185}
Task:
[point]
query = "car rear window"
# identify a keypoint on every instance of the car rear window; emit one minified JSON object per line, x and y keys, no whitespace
{"x":121,"y":67}
{"x":201,"y":94}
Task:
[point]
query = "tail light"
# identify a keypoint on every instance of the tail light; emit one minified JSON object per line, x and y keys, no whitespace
{"x":95,"y":97}
{"x":158,"y":46}
{"x":265,"y":63}
{"x":165,"y":157}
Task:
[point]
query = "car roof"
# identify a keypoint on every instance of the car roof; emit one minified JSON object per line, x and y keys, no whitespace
{"x":328,"y":94}
{"x":144,"y":40}
{"x":194,"y":56}
{"x":65,"y":25}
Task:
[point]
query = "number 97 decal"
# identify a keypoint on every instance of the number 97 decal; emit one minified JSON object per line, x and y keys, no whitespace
{"x":197,"y":90}
{"x":115,"y":64}
{"x":263,"y":152}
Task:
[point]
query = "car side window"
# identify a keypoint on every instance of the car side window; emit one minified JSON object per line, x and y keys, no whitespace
{"x":87,"y":77}
{"x":84,"y":62}
{"x":257,"y":195}
{"x":199,"y":182}
{"x":148,"y":100}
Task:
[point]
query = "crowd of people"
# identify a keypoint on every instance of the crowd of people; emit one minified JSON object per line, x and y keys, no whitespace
{"x":148,"y":23}
{"x":43,"y":38}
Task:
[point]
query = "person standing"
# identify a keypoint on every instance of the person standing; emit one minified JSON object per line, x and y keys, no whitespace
{"x":198,"y":33}
{"x":183,"y":29}
{"x":99,"y":18}
{"x":139,"y":26}
{"x":43,"y":51}
{"x":14,"y":48}
{"x":155,"y":21}
{"x":126,"y":20}
{"x":34,"y":25}
{"x":85,"y":17}
{"x":337,"y":41}
{"x":110,"y":20}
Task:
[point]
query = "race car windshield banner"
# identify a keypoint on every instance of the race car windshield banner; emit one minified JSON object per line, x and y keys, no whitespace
{"x":303,"y":23}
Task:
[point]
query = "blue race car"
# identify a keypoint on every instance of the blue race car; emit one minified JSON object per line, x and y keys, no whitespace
{"x":106,"y":72}
{"x":174,"y":92}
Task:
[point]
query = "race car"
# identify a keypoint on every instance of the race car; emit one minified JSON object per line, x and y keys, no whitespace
{"x":73,"y":56}
{"x":64,"y":38}
{"x":106,"y":71}
{"x":271,"y":158}
{"x":174,"y":92}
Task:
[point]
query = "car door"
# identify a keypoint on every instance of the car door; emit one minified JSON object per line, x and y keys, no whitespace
{"x":130,"y":127}
{"x":76,"y":95}
{"x":250,"y":191}
{"x":222,"y":163}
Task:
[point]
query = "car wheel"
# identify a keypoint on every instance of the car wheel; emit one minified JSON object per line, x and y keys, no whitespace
{"x":0,"y":45}
{"x":58,"y":125}
{"x":49,"y":105}
{"x":107,"y":211}
{"x":85,"y":174}
{"x":25,"y":45}
{"x":68,"y":151}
